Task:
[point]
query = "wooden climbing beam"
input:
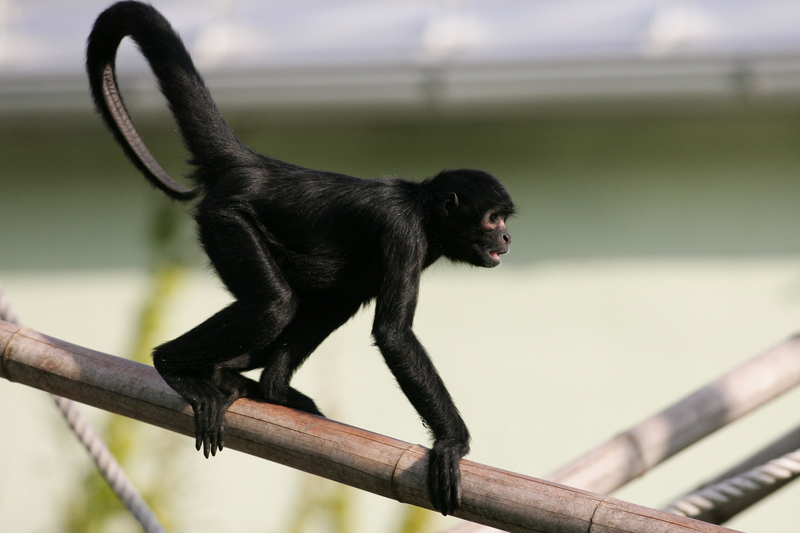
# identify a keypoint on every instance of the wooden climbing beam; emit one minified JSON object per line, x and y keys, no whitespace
{"x":346,"y":454}
{"x":729,"y":397}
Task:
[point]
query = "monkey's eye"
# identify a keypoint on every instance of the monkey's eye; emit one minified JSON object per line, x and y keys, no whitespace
{"x":493,"y":218}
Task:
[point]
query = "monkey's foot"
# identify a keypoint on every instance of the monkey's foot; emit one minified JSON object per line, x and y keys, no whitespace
{"x":298,"y":400}
{"x":289,"y":397}
{"x":209,"y":426}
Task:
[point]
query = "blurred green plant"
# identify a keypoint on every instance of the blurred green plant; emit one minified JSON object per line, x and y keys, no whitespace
{"x":417,"y":520}
{"x":324,"y":505}
{"x":94,"y":508}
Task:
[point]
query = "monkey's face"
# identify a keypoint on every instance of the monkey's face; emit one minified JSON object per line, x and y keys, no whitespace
{"x":495,"y":239}
{"x":469,"y":212}
{"x":477,"y":240}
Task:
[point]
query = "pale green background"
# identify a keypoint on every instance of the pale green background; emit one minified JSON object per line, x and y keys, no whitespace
{"x":653,"y":251}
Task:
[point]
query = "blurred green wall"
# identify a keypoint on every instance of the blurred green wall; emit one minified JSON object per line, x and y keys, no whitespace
{"x":587,"y":187}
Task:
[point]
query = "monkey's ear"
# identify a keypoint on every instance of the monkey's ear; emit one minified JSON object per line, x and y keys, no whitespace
{"x":451,"y":203}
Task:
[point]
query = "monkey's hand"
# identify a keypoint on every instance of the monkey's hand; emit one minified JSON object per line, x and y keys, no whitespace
{"x":209,"y":425}
{"x":444,"y":474}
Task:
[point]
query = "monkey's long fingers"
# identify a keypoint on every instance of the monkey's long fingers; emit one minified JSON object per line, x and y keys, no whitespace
{"x":444,"y":477}
{"x":208,"y":427}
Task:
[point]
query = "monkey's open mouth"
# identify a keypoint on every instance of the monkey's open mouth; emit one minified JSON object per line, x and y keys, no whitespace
{"x":495,"y":255}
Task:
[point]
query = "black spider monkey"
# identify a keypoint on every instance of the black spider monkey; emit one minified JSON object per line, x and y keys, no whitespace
{"x":300,"y":250}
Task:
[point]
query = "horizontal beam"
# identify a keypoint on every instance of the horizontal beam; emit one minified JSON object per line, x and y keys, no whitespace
{"x":367,"y":461}
{"x":729,"y":397}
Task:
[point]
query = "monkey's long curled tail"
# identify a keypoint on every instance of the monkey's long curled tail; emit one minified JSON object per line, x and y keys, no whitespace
{"x":205,"y":133}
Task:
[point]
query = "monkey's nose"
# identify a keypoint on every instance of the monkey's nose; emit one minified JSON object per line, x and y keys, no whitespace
{"x":507,"y":238}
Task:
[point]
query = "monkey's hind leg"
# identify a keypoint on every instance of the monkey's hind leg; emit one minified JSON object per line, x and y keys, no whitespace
{"x":316,"y":318}
{"x":203,"y":364}
{"x":198,"y":365}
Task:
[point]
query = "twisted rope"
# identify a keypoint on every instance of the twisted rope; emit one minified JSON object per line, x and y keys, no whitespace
{"x":783,"y":468}
{"x":105,"y":461}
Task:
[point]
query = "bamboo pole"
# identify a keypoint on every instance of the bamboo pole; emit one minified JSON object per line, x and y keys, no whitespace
{"x":384,"y":466}
{"x":733,"y":395}
{"x":635,"y":451}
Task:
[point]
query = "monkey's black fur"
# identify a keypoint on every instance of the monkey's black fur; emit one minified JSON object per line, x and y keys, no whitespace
{"x":300,"y":250}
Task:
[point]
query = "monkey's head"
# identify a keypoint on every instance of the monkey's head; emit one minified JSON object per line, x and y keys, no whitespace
{"x":468,"y":219}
